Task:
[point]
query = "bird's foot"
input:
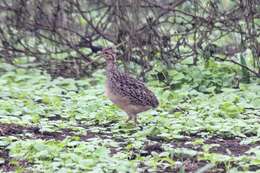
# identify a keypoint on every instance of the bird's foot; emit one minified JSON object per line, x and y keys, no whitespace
{"x":128,"y":119}
{"x":136,"y":122}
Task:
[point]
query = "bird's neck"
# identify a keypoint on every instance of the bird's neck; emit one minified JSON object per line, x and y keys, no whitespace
{"x":110,"y":67}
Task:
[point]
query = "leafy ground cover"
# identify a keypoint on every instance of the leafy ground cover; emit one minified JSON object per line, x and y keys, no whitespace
{"x":203,"y":124}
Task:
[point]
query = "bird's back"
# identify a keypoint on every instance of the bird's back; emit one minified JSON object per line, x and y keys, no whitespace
{"x":133,"y":90}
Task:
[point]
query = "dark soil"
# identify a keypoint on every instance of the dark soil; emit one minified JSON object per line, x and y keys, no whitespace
{"x":228,"y":146}
{"x":18,"y":130}
{"x":225,"y":146}
{"x":21,"y":131}
{"x":190,"y":164}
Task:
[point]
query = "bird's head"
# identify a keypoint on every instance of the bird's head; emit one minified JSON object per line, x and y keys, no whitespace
{"x":109,"y":54}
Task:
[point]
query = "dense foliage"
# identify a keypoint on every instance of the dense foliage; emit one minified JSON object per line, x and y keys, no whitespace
{"x":67,"y":125}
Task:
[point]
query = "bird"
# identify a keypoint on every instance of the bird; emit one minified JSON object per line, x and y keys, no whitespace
{"x":125,"y":91}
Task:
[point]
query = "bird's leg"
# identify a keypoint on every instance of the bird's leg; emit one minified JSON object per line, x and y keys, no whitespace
{"x":132,"y":117}
{"x":129,"y":118}
{"x":135,"y":119}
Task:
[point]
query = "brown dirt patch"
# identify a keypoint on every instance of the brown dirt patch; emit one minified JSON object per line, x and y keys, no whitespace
{"x":18,"y":130}
{"x":228,"y":146}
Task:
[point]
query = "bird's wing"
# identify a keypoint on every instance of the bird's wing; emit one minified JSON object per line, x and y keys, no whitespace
{"x":135,"y":90}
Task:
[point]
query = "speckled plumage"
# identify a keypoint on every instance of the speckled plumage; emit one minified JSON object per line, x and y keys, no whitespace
{"x":127,"y":86}
{"x":128,"y":93}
